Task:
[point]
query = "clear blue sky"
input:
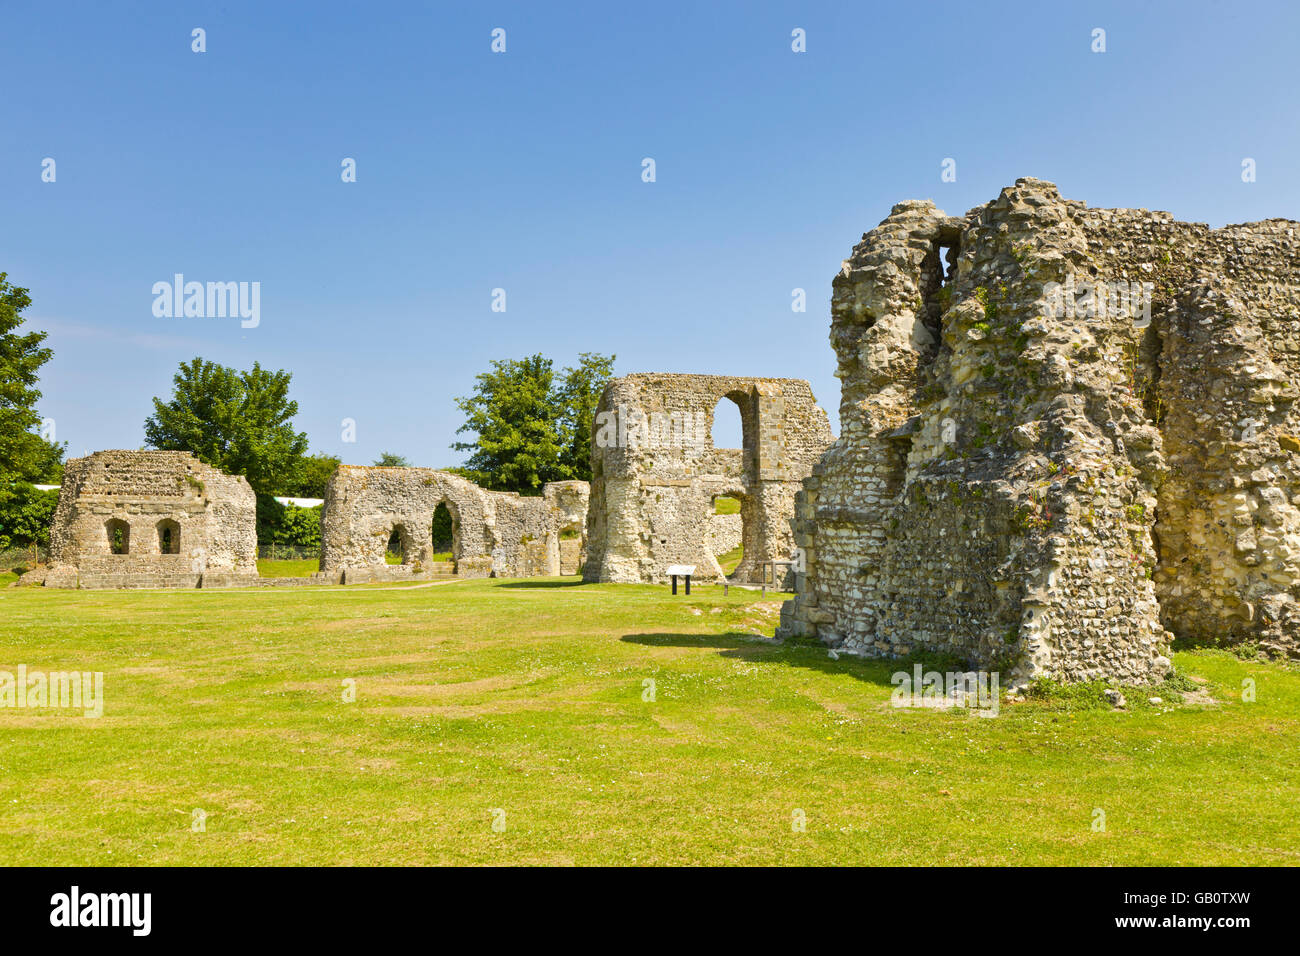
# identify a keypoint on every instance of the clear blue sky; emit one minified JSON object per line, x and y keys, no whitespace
{"x":523,"y":171}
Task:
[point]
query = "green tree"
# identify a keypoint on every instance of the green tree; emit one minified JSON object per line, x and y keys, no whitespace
{"x":25,"y":456}
{"x":311,"y":476}
{"x":388,"y":460}
{"x":25,"y":516}
{"x":237,"y":421}
{"x":287,"y":524}
{"x":529,"y":427}
{"x":576,"y":399}
{"x":45,"y":464}
{"x":513,"y":416}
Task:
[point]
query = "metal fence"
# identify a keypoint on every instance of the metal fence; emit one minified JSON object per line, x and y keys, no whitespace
{"x":286,"y":552}
{"x":27,"y":556}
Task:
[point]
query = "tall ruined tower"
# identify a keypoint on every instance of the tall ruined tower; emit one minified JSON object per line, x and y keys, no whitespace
{"x":1068,"y":436}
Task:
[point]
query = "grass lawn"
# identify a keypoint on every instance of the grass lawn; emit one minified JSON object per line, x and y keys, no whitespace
{"x":305,"y":567}
{"x":526,"y":697}
{"x":730,"y":560}
{"x":723,"y":505}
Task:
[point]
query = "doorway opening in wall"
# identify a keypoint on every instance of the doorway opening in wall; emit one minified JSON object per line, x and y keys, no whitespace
{"x":571,"y":548}
{"x":442,"y":542}
{"x":395,"y":552}
{"x":119,"y":536}
{"x":726,"y":532}
{"x":169,"y":537}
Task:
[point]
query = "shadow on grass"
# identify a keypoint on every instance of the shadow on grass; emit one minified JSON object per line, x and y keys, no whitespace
{"x":765,"y":650}
{"x":511,"y":584}
{"x":732,"y":641}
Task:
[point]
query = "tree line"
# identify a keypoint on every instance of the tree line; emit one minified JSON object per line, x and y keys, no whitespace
{"x":526,"y":425}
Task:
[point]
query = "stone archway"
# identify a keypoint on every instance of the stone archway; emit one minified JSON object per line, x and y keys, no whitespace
{"x":444,"y":533}
{"x":400,"y":542}
{"x":726,"y":524}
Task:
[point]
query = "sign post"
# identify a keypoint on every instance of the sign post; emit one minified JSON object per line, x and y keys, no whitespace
{"x":681,"y":570}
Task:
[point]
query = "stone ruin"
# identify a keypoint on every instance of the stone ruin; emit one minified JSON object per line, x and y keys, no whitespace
{"x":1069,"y":435}
{"x":656,"y":474}
{"x":494,"y":533}
{"x":150,"y":519}
{"x":163,"y":519}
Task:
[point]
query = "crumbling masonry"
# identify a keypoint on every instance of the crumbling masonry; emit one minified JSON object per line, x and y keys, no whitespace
{"x":151,"y":519}
{"x":656,"y":474}
{"x":163,"y":519}
{"x":1076,"y":442}
{"x":494,"y":533}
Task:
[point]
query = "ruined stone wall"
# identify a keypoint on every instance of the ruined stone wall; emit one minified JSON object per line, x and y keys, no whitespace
{"x":1045,"y":476}
{"x":493,"y":533}
{"x":1226,"y":522}
{"x":568,"y":501}
{"x":212,"y":518}
{"x":655,"y":472}
{"x":726,"y":532}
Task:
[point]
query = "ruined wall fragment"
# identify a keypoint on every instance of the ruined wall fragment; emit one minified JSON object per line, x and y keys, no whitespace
{"x":656,"y":474}
{"x":493,"y":533}
{"x":174,"y":520}
{"x":1066,"y":439}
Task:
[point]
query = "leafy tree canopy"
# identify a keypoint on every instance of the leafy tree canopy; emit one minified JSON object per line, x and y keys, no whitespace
{"x":26,"y":513}
{"x":237,"y":421}
{"x":287,"y":524}
{"x":310,"y":477}
{"x":530,"y":428}
{"x":576,"y":398}
{"x":24,"y":454}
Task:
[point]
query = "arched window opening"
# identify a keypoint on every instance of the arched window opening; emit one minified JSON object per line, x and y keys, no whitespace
{"x":728,"y":428}
{"x":169,"y":537}
{"x":395,"y":552}
{"x":119,"y":536}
